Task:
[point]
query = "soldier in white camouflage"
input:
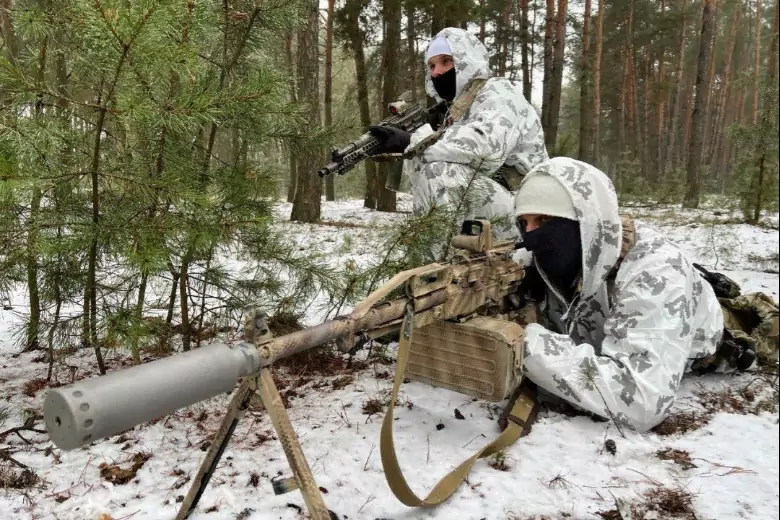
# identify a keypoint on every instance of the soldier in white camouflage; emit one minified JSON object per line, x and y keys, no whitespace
{"x":620,"y":320}
{"x":498,"y":128}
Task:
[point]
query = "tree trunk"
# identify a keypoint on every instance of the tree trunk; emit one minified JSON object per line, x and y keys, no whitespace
{"x":524,"y":44}
{"x":184,"y":285}
{"x":699,"y":114}
{"x":621,"y":108}
{"x":660,"y":81}
{"x":585,"y":136}
{"x":645,"y":140}
{"x":89,"y":326}
{"x":504,"y":41}
{"x":308,"y":193}
{"x":597,"y":84}
{"x":757,"y":67}
{"x":292,"y":162}
{"x":632,"y":106}
{"x":330,"y":189}
{"x":34,"y":323}
{"x":723,"y":93}
{"x":711,"y":85}
{"x":769,"y":96}
{"x":547,"y":80}
{"x":674,"y":130}
{"x":391,"y":13}
{"x":7,"y":31}
{"x":558,"y":65}
{"x":482,"y":20}
{"x":137,"y":316}
{"x":411,"y":46}
{"x":355,"y":35}
{"x":687,"y":125}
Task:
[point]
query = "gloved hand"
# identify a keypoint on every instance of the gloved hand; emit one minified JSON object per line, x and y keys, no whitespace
{"x":436,"y":115}
{"x":391,"y":139}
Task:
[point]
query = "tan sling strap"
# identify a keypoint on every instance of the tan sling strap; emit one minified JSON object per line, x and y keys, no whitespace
{"x":518,"y":417}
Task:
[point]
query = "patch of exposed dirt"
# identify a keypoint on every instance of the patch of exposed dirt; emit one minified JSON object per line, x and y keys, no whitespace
{"x":117,"y":475}
{"x":680,"y":457}
{"x":11,"y":478}
{"x":743,"y":400}
{"x":682,"y":422}
{"x":341,"y":382}
{"x":667,"y":502}
{"x":377,"y":403}
{"x":33,"y":386}
{"x":498,"y":461}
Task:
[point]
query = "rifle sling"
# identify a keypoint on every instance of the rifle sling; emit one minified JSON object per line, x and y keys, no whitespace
{"x":522,"y":409}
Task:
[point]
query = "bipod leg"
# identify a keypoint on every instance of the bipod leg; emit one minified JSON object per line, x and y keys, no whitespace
{"x":303,"y":477}
{"x":235,"y":412}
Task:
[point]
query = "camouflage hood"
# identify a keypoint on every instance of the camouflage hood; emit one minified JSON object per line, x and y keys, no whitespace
{"x":470,"y":56}
{"x":596,"y":206}
{"x":621,"y":347}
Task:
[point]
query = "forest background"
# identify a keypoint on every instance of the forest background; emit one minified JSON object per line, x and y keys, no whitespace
{"x":144,"y":143}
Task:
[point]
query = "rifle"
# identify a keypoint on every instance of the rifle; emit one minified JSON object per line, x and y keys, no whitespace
{"x":467,"y":313}
{"x":405,"y":115}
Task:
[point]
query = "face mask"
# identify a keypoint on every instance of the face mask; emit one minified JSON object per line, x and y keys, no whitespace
{"x":557,"y":247}
{"x":445,"y":84}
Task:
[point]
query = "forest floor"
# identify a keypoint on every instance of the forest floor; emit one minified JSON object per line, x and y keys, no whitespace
{"x":716,"y":457}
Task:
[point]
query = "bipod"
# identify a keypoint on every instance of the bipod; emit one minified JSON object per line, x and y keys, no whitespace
{"x":263,"y":387}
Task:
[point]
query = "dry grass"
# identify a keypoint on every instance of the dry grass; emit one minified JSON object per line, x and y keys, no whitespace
{"x":11,"y":478}
{"x":667,"y":502}
{"x":33,"y":386}
{"x":117,"y":475}
{"x":498,"y":461}
{"x":682,"y":422}
{"x":743,"y":400}
{"x":377,"y":403}
{"x":342,"y":381}
{"x":680,"y":457}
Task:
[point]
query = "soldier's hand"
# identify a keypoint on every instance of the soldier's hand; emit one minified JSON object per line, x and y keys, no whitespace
{"x":391,"y":139}
{"x":435,"y":115}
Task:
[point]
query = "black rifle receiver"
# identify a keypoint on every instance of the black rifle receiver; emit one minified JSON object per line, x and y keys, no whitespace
{"x":404,"y":115}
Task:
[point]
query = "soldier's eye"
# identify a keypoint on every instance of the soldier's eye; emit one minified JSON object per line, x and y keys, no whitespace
{"x":521,"y":223}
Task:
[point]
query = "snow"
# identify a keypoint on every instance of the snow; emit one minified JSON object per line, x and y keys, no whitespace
{"x":736,"y":455}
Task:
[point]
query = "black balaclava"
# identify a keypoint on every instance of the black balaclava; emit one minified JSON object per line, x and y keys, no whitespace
{"x":445,"y":84}
{"x":557,"y":248}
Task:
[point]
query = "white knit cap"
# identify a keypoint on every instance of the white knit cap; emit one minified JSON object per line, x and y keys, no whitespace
{"x":544,"y":195}
{"x":439,"y":45}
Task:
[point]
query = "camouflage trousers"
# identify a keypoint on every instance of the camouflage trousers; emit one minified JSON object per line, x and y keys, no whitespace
{"x":483,"y":198}
{"x":753,"y":318}
{"x":751,"y":323}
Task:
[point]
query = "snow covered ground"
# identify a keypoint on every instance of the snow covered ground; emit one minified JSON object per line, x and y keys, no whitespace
{"x":726,"y":463}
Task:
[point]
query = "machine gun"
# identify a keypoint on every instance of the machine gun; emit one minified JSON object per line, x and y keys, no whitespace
{"x":468,"y":315}
{"x":404,"y":115}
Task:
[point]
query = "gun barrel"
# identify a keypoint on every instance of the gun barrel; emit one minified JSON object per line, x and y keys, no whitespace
{"x":99,"y":407}
{"x":329,"y":169}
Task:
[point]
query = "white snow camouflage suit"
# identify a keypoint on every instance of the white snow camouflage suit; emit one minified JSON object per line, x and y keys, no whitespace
{"x":500,"y":127}
{"x":627,"y":343}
